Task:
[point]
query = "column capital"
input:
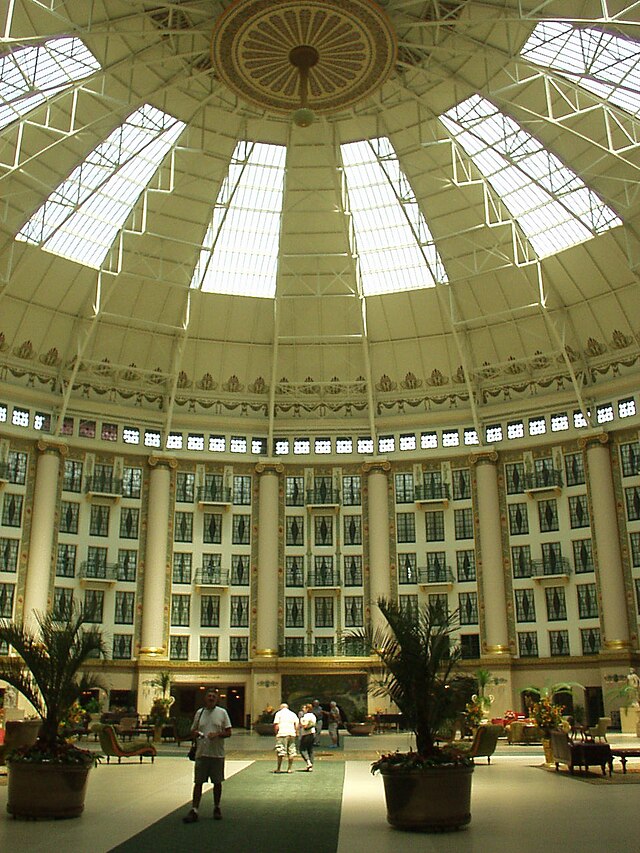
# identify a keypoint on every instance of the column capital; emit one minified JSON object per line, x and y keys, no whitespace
{"x":269,"y":468}
{"x":50,"y":445}
{"x":483,"y":457}
{"x":370,"y":465}
{"x":587,"y":441}
{"x":162,"y":462}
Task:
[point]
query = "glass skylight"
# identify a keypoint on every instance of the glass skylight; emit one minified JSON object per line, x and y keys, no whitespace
{"x":30,"y":75}
{"x":240,"y":250}
{"x":550,"y":202}
{"x":606,"y":64}
{"x":394,"y":244}
{"x":81,"y":218}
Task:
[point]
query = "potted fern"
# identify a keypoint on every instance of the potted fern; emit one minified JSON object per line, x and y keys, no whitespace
{"x":429,"y":789}
{"x":49,"y":778}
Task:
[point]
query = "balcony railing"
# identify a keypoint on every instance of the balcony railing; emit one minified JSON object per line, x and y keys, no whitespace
{"x":432,"y":575}
{"x":435,"y":492}
{"x":212,"y":577}
{"x":214,"y":495}
{"x":558,"y":567}
{"x":323,"y":497}
{"x":4,"y":472}
{"x":549,"y":479}
{"x":103,"y":485}
{"x":323,"y":579}
{"x":334,"y":649}
{"x":107,"y":572}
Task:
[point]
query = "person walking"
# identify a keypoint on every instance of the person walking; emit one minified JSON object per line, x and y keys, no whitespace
{"x":316,"y":709}
{"x":285,"y":725}
{"x":308,"y":729}
{"x":211,"y":726}
{"x":335,"y":718}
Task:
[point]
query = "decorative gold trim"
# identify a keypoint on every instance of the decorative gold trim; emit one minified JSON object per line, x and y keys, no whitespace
{"x":498,"y":649}
{"x":376,"y":465}
{"x":616,"y":645}
{"x":483,"y":457}
{"x":46,"y":445}
{"x":269,"y":468}
{"x":152,"y":651}
{"x":587,"y":441}
{"x":266,"y":653}
{"x":169,"y":461}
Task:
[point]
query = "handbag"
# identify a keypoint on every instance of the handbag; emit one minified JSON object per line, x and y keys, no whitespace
{"x":191,"y":755}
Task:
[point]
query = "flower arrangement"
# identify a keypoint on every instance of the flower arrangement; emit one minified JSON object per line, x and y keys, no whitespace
{"x":474,"y":712}
{"x":267,"y":715}
{"x":547,"y":715}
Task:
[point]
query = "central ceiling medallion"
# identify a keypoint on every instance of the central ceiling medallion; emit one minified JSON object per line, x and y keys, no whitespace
{"x":309,"y":57}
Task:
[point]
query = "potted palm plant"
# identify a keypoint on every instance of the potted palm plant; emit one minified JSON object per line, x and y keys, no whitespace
{"x":49,"y":778}
{"x":429,"y":789}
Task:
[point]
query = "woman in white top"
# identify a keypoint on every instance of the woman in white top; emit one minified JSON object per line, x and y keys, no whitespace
{"x":308,"y":729}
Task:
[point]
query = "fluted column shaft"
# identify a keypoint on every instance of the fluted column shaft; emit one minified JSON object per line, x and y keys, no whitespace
{"x":379,"y":553}
{"x":152,"y":639}
{"x":267,"y":604}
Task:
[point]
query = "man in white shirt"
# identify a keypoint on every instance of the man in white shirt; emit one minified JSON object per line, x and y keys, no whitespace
{"x":211,"y":725}
{"x":285,"y":725}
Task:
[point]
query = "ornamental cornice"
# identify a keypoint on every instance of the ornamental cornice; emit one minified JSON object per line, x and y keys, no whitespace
{"x":162,"y":461}
{"x":587,"y":441}
{"x":47,"y":445}
{"x":483,"y":457}
{"x":269,"y":468}
{"x":371,"y":465}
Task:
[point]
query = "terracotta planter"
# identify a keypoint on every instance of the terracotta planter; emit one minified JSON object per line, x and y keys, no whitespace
{"x":264,"y":729}
{"x":46,"y":790}
{"x":435,"y":799}
{"x":359,"y":729}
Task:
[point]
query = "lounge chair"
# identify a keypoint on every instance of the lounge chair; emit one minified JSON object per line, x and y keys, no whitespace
{"x":112,"y":746}
{"x":599,"y":731}
{"x":483,"y":744}
{"x":18,"y":733}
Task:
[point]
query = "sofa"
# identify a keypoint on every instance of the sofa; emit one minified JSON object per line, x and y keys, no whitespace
{"x":521,"y":731}
{"x":582,"y":754}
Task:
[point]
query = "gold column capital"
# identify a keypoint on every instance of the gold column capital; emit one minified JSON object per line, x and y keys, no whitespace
{"x":587,"y":441}
{"x":483,"y":457}
{"x":382,"y":465}
{"x":162,"y":462}
{"x":269,"y":468}
{"x":50,"y":445}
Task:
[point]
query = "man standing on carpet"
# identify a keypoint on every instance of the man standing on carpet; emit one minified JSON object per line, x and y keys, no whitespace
{"x":211,"y":725}
{"x":335,"y":720}
{"x":285,"y":726}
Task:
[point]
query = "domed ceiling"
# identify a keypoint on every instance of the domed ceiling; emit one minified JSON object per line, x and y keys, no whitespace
{"x":495,"y":315}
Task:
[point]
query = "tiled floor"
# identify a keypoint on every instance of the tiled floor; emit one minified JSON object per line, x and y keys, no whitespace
{"x":515,"y":806}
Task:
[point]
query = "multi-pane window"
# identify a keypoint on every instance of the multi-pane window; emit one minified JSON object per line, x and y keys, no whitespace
{"x":183,"y":527}
{"x":180,"y":609}
{"x":208,"y":648}
{"x":632,"y":500}
{"x":127,"y":564}
{"x":404,"y":489}
{"x":408,"y":603}
{"x":17,"y":467}
{"x":6,"y":600}
{"x":407,"y":568}
{"x":548,"y":515}
{"x":583,"y":555}
{"x":323,"y":530}
{"x":353,"y":530}
{"x":185,"y":487}
{"x":528,"y":644}
{"x":213,"y":488}
{"x":123,"y":614}
{"x":182,"y":566}
{"x":322,"y":489}
{"x":352,"y":490}
{"x":294,"y":526}
{"x":587,"y":601}
{"x":518,"y":519}
{"x":461,"y":480}
{"x":131,"y":482}
{"x":238,"y":648}
{"x":93,"y":605}
{"x":242,"y":490}
{"x":241,"y":530}
{"x":12,"y":510}
{"x":211,"y":568}
{"x":210,"y":611}
{"x":578,"y":511}
{"x":239,"y":611}
{"x":434,"y":525}
{"x":212,"y":528}
{"x":556,"y":604}
{"x":129,"y":521}
{"x":466,"y":565}
{"x":69,"y":514}
{"x":102,"y":480}
{"x":294,"y":611}
{"x":514,"y":474}
{"x":72,"y":479}
{"x":9,"y":554}
{"x":630,"y":457}
{"x":521,"y":561}
{"x":590,"y":639}
{"x":239,"y":570}
{"x":294,"y":647}
{"x":66,"y":561}
{"x":574,"y":469}
{"x":437,"y":570}
{"x":323,"y":610}
{"x":468,"y":608}
{"x":439,"y":602}
{"x":525,"y":605}
{"x":294,"y":491}
{"x":323,"y":571}
{"x":96,"y":562}
{"x":463,"y":520}
{"x":552,"y":562}
{"x":122,"y":646}
{"x":470,"y":646}
{"x":559,"y":643}
{"x":99,"y":523}
{"x":294,"y":571}
{"x":62,"y":602}
{"x":178,"y":647}
{"x":353,"y":611}
{"x":353,"y":571}
{"x":406,"y":526}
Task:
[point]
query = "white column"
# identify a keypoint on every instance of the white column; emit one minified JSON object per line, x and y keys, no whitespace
{"x":156,"y":564}
{"x":43,"y":521}
{"x":268,"y":576}
{"x":604,"y":527}
{"x":489,"y":555}
{"x":379,"y":524}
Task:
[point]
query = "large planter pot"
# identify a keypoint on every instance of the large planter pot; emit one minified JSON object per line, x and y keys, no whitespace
{"x":359,"y":729}
{"x":264,"y":729}
{"x":434,"y":799}
{"x":46,"y":790}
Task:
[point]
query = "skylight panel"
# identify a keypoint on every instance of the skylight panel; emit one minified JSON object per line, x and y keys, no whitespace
{"x":395,"y":246}
{"x":81,"y":218}
{"x":606,"y":64}
{"x":240,"y":249}
{"x":30,"y":75}
{"x":550,"y":202}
